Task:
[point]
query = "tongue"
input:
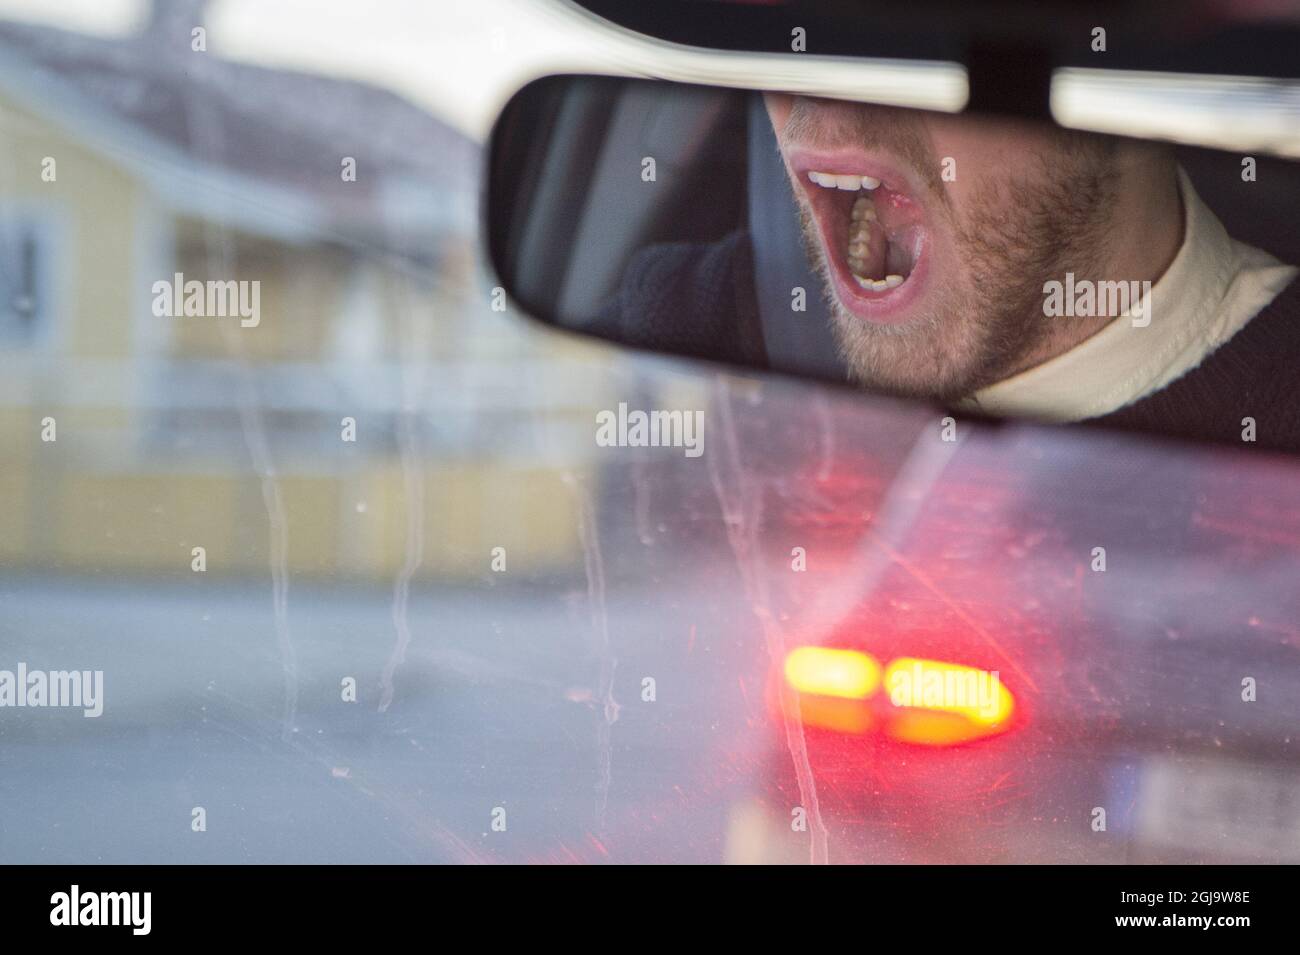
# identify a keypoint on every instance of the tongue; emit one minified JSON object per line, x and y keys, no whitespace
{"x":900,"y":257}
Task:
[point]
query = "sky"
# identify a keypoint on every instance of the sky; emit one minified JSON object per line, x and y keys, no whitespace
{"x":459,"y":58}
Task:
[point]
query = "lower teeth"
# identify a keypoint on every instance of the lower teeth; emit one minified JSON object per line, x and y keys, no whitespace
{"x":863,"y":214}
{"x":880,"y":285}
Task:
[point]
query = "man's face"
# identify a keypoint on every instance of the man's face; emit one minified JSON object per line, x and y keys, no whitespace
{"x":935,"y":234}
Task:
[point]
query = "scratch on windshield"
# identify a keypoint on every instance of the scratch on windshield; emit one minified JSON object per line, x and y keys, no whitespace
{"x":205,"y":131}
{"x":740,"y":496}
{"x":595,"y":568}
{"x":414,"y":335}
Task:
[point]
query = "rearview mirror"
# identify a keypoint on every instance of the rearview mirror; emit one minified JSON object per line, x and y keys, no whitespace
{"x":998,"y":265}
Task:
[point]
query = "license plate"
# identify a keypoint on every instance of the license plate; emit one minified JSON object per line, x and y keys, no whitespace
{"x":1234,"y":809}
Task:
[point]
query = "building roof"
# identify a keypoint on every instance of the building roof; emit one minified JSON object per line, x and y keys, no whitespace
{"x":282,"y":129}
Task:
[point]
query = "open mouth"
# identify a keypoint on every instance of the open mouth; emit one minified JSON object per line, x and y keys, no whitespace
{"x":872,"y":235}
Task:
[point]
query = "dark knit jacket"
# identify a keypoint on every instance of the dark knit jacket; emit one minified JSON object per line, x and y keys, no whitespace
{"x":699,"y":300}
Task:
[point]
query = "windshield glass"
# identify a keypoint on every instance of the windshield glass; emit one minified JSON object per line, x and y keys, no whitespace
{"x":312,"y":550}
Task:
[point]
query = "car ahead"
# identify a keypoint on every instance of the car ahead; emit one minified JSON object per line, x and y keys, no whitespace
{"x":1057,"y":653}
{"x":1028,"y":645}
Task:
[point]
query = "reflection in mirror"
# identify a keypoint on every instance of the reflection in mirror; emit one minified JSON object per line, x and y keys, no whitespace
{"x":1001,"y":267}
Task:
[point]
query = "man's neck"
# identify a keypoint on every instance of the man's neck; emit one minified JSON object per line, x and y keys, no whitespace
{"x":1147,"y":227}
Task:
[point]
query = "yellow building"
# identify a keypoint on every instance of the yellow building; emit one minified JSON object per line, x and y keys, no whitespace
{"x":373,"y":413}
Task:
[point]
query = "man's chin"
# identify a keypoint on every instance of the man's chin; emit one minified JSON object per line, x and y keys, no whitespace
{"x":918,"y":359}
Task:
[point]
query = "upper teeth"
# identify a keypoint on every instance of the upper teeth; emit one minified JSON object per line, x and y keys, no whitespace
{"x":863,"y":208}
{"x":829,"y":180}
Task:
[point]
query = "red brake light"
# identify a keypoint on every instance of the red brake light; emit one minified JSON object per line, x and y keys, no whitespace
{"x":926,"y":702}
